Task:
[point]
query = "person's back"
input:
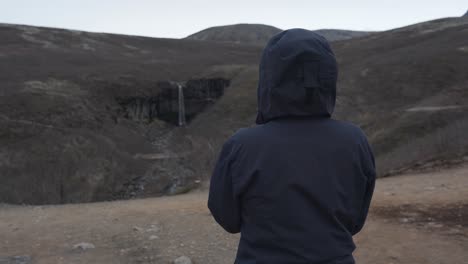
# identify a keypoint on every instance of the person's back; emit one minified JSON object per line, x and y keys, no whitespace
{"x":298,"y":185}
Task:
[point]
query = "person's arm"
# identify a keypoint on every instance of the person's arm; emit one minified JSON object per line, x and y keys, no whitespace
{"x":368,"y":165}
{"x":222,"y":202}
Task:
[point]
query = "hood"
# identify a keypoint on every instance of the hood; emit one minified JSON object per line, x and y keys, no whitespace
{"x":298,"y":74}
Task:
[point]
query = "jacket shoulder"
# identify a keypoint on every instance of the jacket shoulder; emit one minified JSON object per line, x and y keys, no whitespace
{"x":247,"y":135}
{"x":350,"y":128}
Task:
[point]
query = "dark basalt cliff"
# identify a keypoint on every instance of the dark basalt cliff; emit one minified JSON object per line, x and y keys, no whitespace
{"x":164,"y":104}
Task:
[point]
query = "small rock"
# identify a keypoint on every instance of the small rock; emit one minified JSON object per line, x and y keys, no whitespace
{"x":21,"y":259}
{"x":404,"y":220}
{"x":153,"y":237}
{"x":436,"y":225}
{"x":124,"y":251}
{"x":84,"y":246}
{"x":153,"y":228}
{"x":137,"y":229}
{"x":183,"y":260}
{"x":454,"y":231}
{"x":16,"y":260}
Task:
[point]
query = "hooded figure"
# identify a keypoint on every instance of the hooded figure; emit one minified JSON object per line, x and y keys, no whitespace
{"x":298,"y":185}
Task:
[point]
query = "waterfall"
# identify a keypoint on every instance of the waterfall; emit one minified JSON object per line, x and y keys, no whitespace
{"x":181,"y":105}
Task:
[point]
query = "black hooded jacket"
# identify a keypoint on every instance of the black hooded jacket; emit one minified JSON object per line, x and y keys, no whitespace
{"x":299,"y":184}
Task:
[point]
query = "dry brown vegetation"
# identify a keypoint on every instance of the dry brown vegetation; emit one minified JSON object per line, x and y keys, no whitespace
{"x":63,"y":140}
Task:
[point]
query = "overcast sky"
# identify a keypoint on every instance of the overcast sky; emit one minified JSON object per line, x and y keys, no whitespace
{"x":177,"y":18}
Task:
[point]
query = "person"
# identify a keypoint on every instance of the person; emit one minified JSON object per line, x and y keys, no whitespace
{"x":298,"y":185}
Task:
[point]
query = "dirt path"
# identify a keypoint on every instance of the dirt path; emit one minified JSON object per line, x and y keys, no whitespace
{"x":414,"y":219}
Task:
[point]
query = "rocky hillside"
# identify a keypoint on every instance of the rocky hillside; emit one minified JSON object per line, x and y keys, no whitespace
{"x":91,"y":117}
{"x":257,"y":34}
{"x":83,"y":116}
{"x":407,"y":88}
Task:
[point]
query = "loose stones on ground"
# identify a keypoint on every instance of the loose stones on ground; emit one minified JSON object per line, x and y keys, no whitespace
{"x":15,"y":260}
{"x":183,"y":260}
{"x":84,"y":246}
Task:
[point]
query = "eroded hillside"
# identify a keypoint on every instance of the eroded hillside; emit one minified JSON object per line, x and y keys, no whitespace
{"x":84,"y":116}
{"x":90,"y":117}
{"x":407,"y":88}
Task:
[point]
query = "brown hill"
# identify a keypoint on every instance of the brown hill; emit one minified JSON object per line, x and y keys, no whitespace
{"x":76,"y":120}
{"x":257,"y":34}
{"x":340,"y":34}
{"x":86,"y":117}
{"x":406,"y":87}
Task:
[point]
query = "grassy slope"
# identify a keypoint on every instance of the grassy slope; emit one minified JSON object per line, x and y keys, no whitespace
{"x":381,"y":77}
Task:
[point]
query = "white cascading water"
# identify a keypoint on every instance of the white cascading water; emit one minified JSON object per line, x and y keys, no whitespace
{"x":181,"y":105}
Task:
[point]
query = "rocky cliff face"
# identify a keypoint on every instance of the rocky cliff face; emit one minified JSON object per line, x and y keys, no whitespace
{"x":139,"y":108}
{"x":164,"y":104}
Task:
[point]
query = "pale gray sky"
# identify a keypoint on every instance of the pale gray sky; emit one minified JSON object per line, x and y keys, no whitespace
{"x":177,"y":18}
